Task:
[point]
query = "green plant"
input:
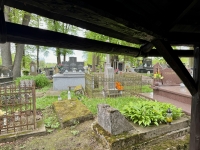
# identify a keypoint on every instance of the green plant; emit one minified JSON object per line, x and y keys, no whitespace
{"x":148,"y":113}
{"x":40,"y":80}
{"x":146,"y":89}
{"x":51,"y":122}
{"x":75,"y":132}
{"x":45,"y":101}
{"x":25,"y":72}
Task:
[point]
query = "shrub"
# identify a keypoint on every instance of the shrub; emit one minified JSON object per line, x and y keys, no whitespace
{"x":148,"y":113}
{"x":40,"y":80}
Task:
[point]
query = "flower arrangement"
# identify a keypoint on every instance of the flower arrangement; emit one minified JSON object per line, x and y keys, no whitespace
{"x":157,"y":76}
{"x":118,"y":86}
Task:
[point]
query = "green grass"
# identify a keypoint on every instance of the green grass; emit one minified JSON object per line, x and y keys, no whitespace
{"x":44,"y":89}
{"x":146,"y":89}
{"x":46,"y":101}
{"x":118,"y":102}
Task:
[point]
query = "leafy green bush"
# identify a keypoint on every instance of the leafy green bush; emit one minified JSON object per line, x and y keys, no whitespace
{"x":25,"y":72}
{"x":40,"y":80}
{"x":148,"y":113}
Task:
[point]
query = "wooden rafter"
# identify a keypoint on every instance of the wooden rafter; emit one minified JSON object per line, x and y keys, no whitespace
{"x":29,"y":35}
{"x":75,"y":22}
{"x":172,"y":59}
{"x":78,"y":12}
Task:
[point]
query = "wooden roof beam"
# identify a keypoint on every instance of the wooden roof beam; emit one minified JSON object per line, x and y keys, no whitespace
{"x":80,"y":11}
{"x":29,"y":35}
{"x":172,"y":59}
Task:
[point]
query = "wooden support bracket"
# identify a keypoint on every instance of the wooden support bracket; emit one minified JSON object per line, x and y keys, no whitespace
{"x":172,"y":59}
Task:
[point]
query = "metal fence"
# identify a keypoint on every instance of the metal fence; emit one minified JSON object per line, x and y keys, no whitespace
{"x":17,"y":107}
{"x":96,"y":85}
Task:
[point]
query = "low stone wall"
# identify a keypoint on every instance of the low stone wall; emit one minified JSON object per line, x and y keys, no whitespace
{"x":143,"y":136}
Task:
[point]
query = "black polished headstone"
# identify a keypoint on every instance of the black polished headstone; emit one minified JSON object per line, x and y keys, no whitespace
{"x":72,"y":64}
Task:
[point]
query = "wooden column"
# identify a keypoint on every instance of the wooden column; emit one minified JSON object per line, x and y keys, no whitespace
{"x":195,"y":108}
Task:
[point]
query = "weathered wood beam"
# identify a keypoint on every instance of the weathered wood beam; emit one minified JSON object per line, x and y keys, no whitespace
{"x":195,"y":109}
{"x":75,"y":22}
{"x":182,"y":38}
{"x":172,"y":59}
{"x":82,"y":11}
{"x":29,"y":35}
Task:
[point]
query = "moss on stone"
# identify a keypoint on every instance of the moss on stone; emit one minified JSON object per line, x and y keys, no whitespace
{"x":69,"y":111}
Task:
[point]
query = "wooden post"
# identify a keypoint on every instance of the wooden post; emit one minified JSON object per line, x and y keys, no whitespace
{"x":195,"y":108}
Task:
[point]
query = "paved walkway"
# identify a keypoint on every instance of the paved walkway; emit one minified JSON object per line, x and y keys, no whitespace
{"x":185,"y":107}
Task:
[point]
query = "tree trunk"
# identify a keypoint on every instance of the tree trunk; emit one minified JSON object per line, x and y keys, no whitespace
{"x":58,"y":55}
{"x":5,"y":48}
{"x":93,"y":62}
{"x":38,"y":51}
{"x":64,"y":57}
{"x":20,"y":50}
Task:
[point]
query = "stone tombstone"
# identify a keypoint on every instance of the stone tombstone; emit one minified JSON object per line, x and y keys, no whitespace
{"x":170,"y":77}
{"x":147,"y":62}
{"x":33,"y":70}
{"x":71,"y":64}
{"x":65,"y":66}
{"x":108,"y":75}
{"x":80,"y":66}
{"x":120,"y":66}
{"x":112,"y":120}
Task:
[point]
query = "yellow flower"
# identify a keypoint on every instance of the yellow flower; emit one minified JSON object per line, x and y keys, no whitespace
{"x":158,"y":76}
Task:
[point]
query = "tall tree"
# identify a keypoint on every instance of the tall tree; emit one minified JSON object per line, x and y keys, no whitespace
{"x":62,"y":28}
{"x":20,"y":50}
{"x":5,"y":48}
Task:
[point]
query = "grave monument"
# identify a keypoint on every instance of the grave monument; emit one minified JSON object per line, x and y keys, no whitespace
{"x":171,"y":86}
{"x":71,"y":74}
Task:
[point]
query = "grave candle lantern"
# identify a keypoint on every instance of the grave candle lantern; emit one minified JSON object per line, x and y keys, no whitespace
{"x":169,"y":116}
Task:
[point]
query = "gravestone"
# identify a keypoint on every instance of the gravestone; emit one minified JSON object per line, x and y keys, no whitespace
{"x":33,"y":70}
{"x":72,"y":65}
{"x":112,"y":120}
{"x":120,"y":66}
{"x":170,"y":77}
{"x":109,"y":75}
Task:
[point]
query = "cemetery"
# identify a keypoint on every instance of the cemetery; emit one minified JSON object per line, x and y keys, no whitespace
{"x":110,"y":124}
{"x":137,"y":89}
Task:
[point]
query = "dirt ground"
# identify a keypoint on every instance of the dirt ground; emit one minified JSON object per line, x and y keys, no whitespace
{"x":78,"y":137}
